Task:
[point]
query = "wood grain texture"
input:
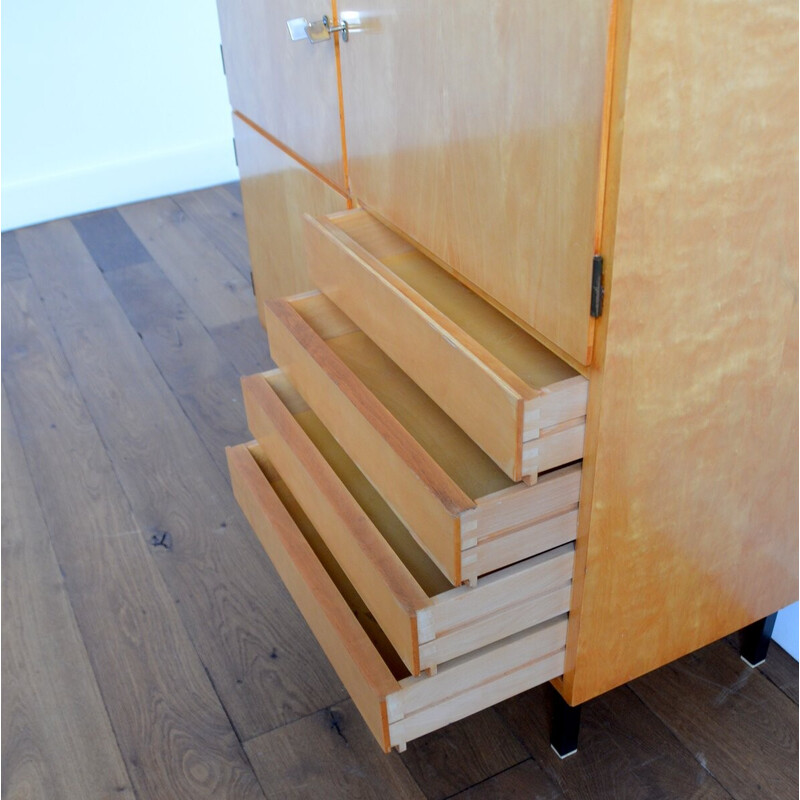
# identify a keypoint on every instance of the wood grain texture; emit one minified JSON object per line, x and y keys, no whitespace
{"x":690,"y":479}
{"x":205,"y":383}
{"x":426,"y":620}
{"x":332,"y":755}
{"x":277,"y":191}
{"x":243,"y":343}
{"x":623,"y":754}
{"x":752,"y":720}
{"x":57,"y":738}
{"x":389,"y":589}
{"x":174,"y":736}
{"x":781,"y":669}
{"x":423,"y":496}
{"x":301,"y":108}
{"x":465,"y":753}
{"x":460,"y":506}
{"x":213,"y":288}
{"x":219,"y":215}
{"x":441,"y":359}
{"x":208,"y":560}
{"x":497,"y":177}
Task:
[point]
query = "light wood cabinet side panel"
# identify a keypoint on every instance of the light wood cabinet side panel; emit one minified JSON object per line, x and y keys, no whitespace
{"x":689,"y":511}
{"x":276,"y":192}
{"x":495,"y":175}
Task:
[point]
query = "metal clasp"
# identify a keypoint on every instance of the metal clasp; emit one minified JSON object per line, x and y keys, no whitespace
{"x":315,"y":32}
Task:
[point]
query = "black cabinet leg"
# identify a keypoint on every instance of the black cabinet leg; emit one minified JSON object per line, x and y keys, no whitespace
{"x":566,"y":725}
{"x":756,"y":639}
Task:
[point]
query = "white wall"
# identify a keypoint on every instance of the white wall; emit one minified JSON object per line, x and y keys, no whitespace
{"x":106,"y":102}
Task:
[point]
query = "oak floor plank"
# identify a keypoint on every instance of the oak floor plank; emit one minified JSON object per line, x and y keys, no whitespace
{"x":245,"y":345}
{"x":779,"y":668}
{"x":57,"y":739}
{"x":462,"y":754}
{"x":235,"y":188}
{"x":13,"y":262}
{"x":240,"y":618}
{"x":143,"y":567}
{"x":174,"y":736}
{"x":205,"y":383}
{"x":330,"y":755}
{"x":219,"y":215}
{"x":782,"y":670}
{"x":742,"y":727}
{"x":214,"y":289}
{"x":624,"y":753}
{"x":110,"y":240}
{"x":521,"y":782}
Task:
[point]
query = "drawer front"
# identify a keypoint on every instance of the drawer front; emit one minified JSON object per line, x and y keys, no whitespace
{"x":467,"y":535}
{"x":427,"y":621}
{"x":396,"y":707}
{"x":499,"y":384}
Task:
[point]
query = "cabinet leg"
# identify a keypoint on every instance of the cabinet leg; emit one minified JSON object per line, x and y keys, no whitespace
{"x":756,"y":639}
{"x":566,"y":725}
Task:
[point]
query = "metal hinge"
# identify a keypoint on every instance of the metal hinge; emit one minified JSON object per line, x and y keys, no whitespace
{"x":235,"y":152}
{"x":598,"y":291}
{"x":222,"y":56}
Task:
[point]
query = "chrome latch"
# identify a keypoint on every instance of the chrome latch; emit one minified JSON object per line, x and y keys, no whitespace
{"x":315,"y":32}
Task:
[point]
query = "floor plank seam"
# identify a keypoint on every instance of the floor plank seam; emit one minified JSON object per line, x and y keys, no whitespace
{"x":297,"y":719}
{"x":197,"y":222}
{"x":491,"y":777}
{"x":668,"y":728}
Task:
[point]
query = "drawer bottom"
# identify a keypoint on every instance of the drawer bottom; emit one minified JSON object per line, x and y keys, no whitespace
{"x":396,"y":707}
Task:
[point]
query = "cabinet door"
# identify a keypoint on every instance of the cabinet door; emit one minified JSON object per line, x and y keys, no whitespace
{"x":476,"y":128}
{"x":276,"y":192}
{"x":288,"y":88}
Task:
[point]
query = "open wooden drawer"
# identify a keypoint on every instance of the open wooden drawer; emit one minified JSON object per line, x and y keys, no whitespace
{"x":427,"y":621}
{"x":396,"y":707}
{"x":504,"y":388}
{"x":467,"y":514}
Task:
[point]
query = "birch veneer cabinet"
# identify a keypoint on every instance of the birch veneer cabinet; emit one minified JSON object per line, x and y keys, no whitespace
{"x":536,"y":412}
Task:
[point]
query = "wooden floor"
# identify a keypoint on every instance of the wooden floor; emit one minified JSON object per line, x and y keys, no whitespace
{"x":149,"y":649}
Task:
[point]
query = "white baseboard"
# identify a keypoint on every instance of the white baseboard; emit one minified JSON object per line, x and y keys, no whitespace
{"x":99,"y":186}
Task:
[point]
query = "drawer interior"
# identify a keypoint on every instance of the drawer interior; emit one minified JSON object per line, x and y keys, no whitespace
{"x":432,"y":581}
{"x":396,"y":706}
{"x":467,"y":465}
{"x":518,"y":350}
{"x":435,"y":622}
{"x":331,"y":566}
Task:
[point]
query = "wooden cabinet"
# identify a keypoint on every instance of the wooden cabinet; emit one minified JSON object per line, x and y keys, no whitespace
{"x":449,"y":412}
